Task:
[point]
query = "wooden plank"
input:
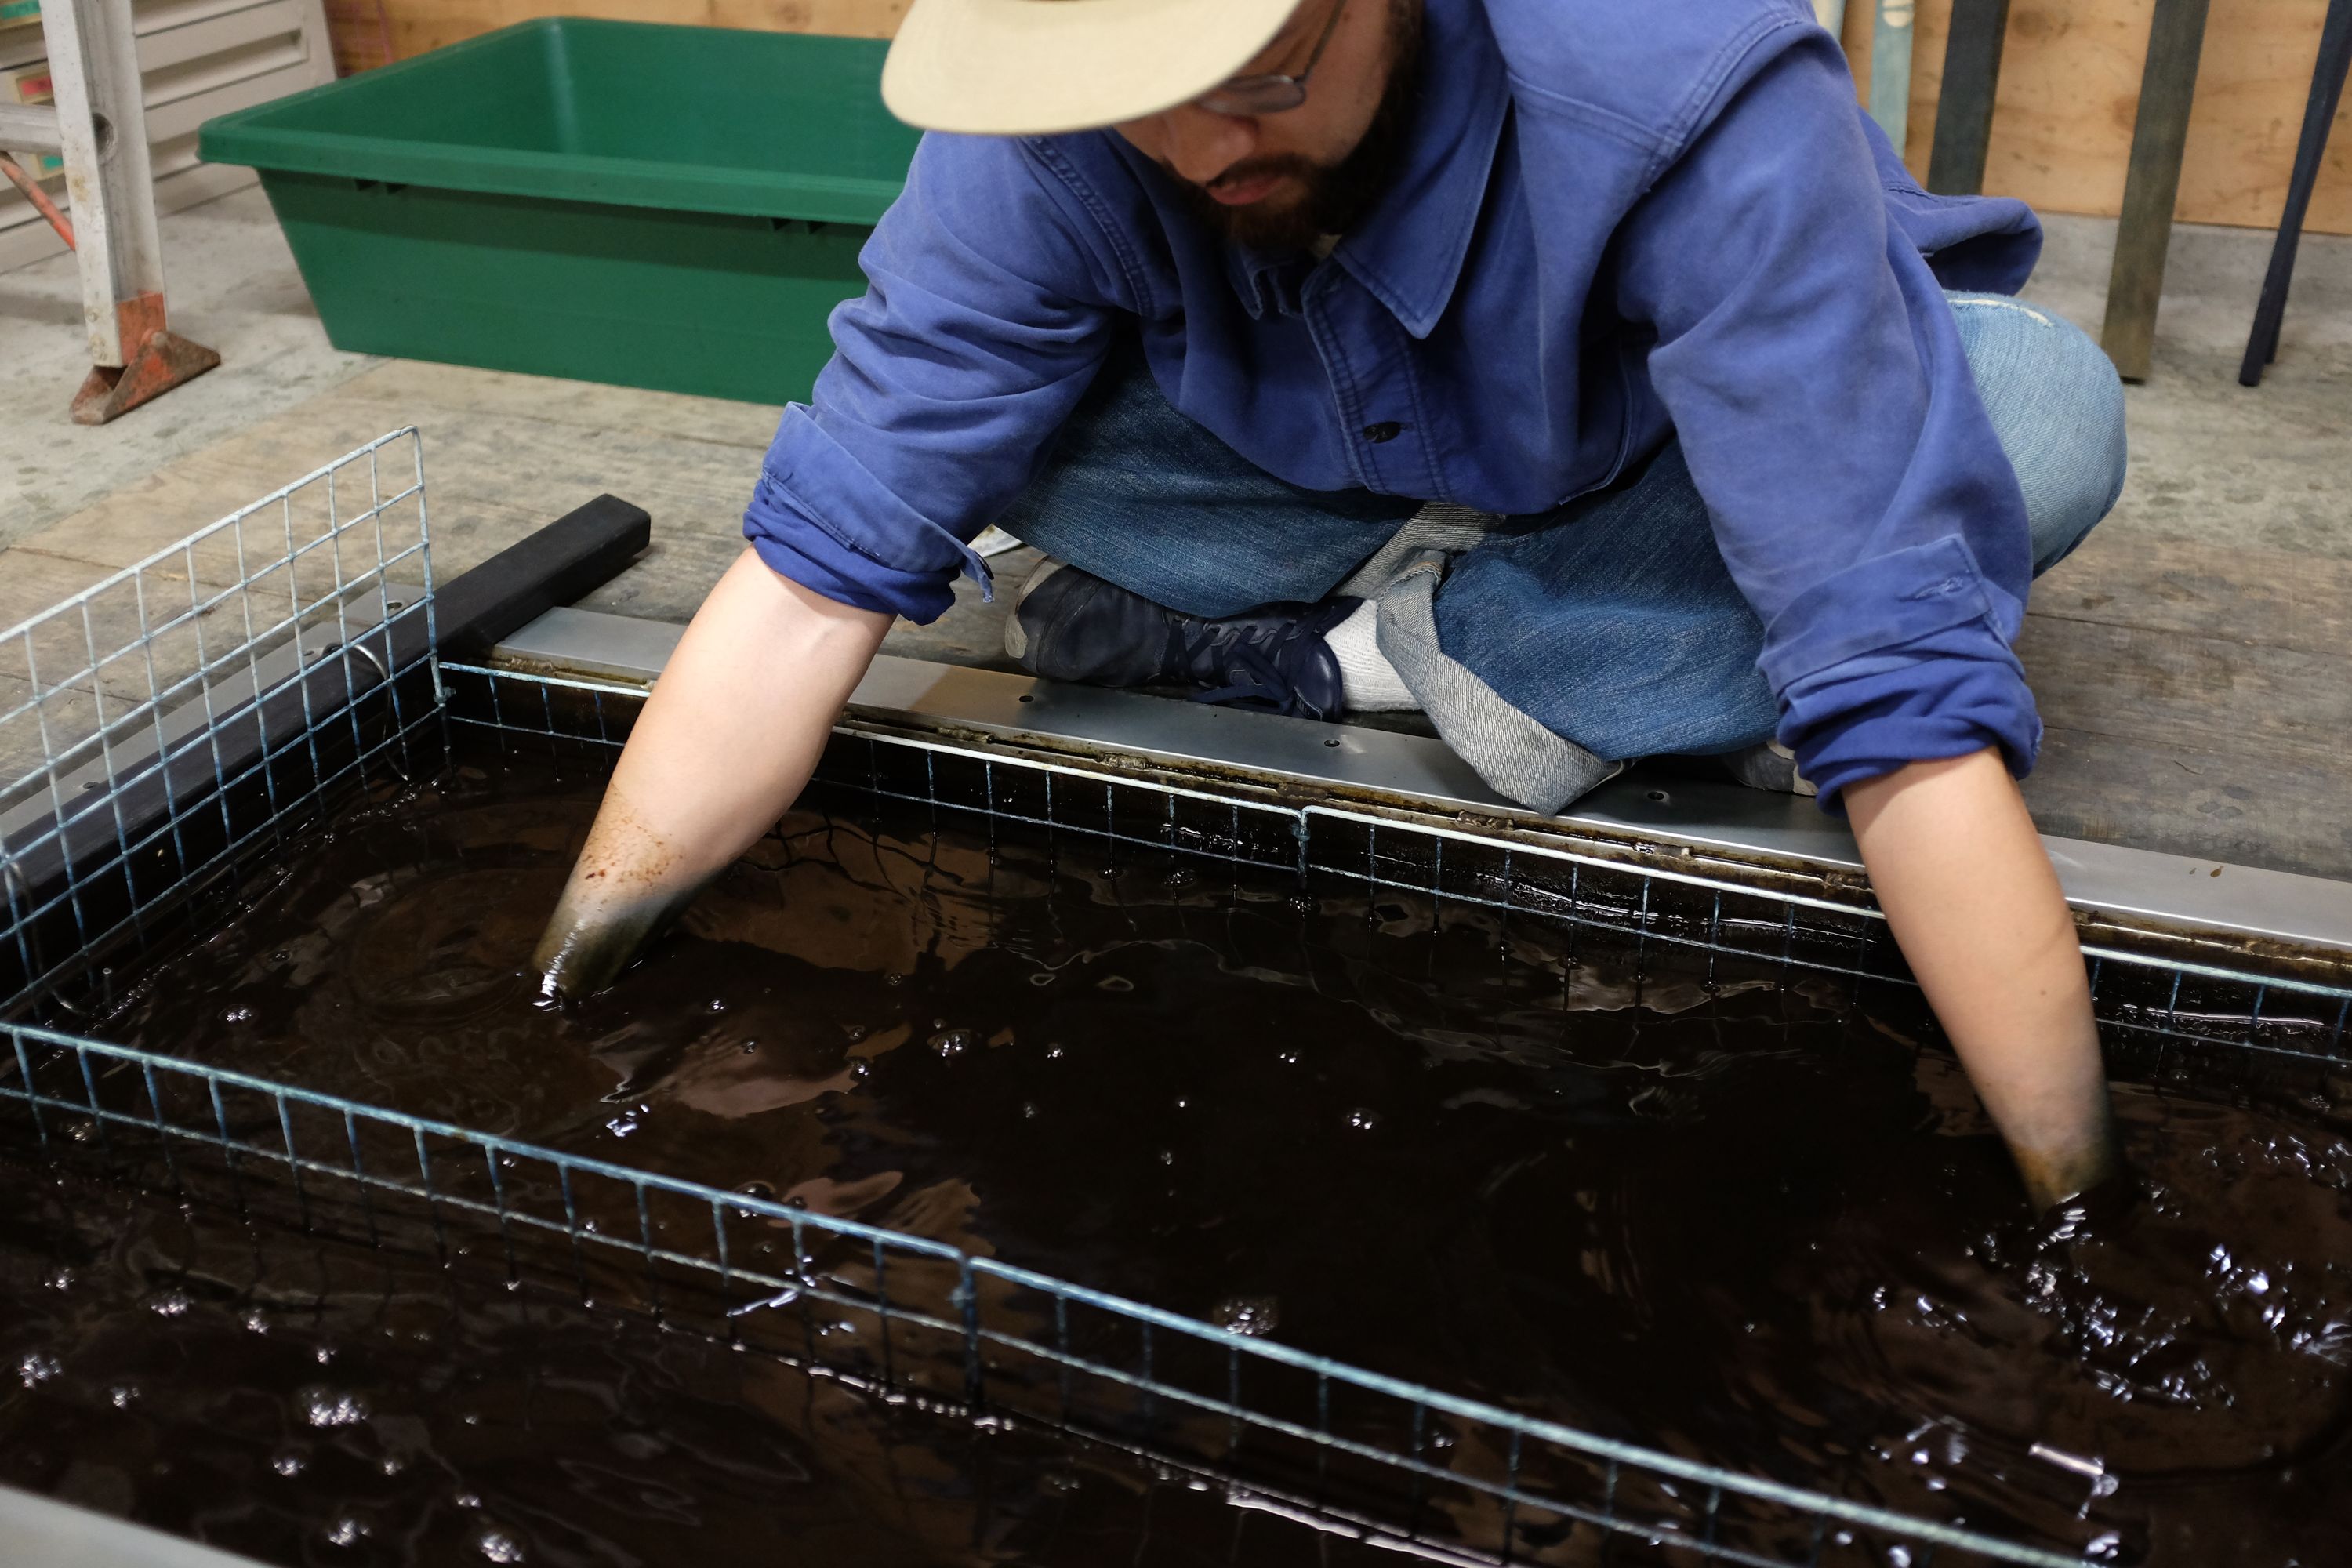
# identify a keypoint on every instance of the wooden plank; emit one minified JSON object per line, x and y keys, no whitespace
{"x":33,"y":731}
{"x":669,"y":582}
{"x":402,"y":387}
{"x":2211,"y":693}
{"x":2160,"y":134}
{"x":2266,"y":598}
{"x":489,"y":478}
{"x":2241,"y":806}
{"x":1971,"y":81}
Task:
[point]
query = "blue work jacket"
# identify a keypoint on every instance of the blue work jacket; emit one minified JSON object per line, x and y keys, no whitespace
{"x":1615,"y":221}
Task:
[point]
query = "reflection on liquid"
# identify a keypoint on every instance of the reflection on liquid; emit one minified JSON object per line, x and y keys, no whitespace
{"x":1719,"y":1213}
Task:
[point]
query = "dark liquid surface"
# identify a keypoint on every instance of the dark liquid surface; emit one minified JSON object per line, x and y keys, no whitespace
{"x":1750,"y":1222}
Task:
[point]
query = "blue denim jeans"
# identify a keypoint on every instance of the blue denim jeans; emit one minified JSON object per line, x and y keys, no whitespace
{"x":1612,"y":622}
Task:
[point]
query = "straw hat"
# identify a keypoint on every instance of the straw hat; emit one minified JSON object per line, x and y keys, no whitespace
{"x":1029,"y":68}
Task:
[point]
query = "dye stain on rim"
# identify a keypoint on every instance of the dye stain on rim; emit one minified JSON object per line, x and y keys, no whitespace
{"x":1734,"y":1212}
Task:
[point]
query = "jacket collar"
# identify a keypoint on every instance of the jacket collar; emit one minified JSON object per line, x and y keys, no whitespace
{"x":1408,"y":251}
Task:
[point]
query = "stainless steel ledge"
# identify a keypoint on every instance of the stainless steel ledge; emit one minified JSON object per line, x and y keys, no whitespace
{"x":40,"y":1532}
{"x":2168,"y":889}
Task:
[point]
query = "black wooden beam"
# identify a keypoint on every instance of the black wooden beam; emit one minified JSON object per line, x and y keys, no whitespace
{"x":1956,"y":163}
{"x":2175,"y":40}
{"x":567,"y":560}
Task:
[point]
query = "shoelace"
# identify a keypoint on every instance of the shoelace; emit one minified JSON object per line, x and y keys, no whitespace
{"x":1262,"y":682}
{"x":1256,"y":669}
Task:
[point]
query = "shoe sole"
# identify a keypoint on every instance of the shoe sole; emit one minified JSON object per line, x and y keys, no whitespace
{"x":1016,"y":636}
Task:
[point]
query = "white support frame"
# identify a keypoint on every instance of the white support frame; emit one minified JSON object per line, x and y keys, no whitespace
{"x":101,"y":120}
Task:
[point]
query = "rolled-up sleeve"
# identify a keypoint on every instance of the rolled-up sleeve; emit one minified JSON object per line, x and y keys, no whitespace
{"x":1815,"y":377}
{"x":985,"y":318}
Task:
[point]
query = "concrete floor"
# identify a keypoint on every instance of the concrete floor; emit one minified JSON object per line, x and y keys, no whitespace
{"x":2189,"y":660}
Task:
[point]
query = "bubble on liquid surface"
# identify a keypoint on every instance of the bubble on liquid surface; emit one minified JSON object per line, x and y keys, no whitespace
{"x":171,"y":1303}
{"x":1363,"y":1119}
{"x":290,"y":1462}
{"x":324,"y":1406}
{"x":121,"y":1395}
{"x":61,"y":1277}
{"x":498,"y":1545}
{"x":348,"y":1530}
{"x":954,"y":1042}
{"x":1251,"y":1315}
{"x":238,"y":1015}
{"x":37,"y":1368}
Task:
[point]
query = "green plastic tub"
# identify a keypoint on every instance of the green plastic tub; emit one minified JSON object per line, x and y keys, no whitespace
{"x":671,"y":207}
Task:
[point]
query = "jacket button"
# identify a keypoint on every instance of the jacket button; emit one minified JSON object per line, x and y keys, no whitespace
{"x":1386,"y":430}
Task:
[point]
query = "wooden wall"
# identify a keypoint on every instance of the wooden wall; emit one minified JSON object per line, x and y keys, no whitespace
{"x":2068,"y":90}
{"x":2069,"y":87}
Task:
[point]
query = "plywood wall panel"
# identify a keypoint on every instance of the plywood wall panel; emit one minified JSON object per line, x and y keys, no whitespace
{"x":2070,"y":91}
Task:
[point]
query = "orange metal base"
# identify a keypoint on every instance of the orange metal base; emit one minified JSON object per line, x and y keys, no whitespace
{"x":162,"y":362}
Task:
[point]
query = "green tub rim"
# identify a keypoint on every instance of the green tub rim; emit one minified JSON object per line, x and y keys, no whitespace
{"x":261,"y":137}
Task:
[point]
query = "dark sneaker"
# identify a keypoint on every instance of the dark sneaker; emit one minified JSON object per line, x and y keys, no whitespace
{"x":1068,"y":625}
{"x":1768,"y":765}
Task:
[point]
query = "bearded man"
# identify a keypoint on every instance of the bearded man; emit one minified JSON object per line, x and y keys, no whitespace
{"x":1589,"y":377}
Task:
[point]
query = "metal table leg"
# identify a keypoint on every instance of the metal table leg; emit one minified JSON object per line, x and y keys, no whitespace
{"x":2318,"y":118}
{"x":2176,"y":39}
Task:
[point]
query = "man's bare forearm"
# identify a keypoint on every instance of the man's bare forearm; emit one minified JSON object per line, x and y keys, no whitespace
{"x":725,"y":741}
{"x":1976,"y":905}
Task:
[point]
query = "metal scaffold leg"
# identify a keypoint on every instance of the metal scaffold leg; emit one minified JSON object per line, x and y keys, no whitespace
{"x":101,"y":127}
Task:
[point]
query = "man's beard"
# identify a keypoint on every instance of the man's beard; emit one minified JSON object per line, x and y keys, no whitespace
{"x":1334,"y":195}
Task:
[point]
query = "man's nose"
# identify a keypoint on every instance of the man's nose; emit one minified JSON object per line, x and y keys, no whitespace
{"x":1202,"y":144}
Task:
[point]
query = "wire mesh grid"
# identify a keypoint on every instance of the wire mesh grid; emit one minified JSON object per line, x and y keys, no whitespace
{"x":156,"y":727}
{"x":918,"y":1322}
{"x":2163,"y":1016}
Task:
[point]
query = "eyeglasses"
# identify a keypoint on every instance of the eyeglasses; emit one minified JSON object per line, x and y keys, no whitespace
{"x":1273,"y":92}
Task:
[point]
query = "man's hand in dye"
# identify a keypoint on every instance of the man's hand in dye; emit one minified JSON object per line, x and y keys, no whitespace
{"x":1976,"y":906}
{"x":727,"y":739}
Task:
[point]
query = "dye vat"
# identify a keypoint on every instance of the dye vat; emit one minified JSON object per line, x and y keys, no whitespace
{"x":1712,"y":1205}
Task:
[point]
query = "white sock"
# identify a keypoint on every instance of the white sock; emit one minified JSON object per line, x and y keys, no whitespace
{"x":1367,"y":682}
